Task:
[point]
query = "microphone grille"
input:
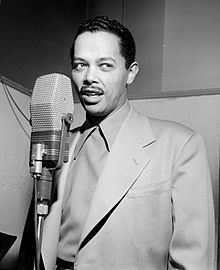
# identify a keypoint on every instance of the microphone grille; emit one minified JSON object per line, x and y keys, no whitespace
{"x":52,"y":98}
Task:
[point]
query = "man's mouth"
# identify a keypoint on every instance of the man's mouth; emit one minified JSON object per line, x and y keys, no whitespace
{"x":91,"y":92}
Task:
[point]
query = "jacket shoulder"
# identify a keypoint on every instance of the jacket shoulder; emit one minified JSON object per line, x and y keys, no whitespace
{"x":176,"y":136}
{"x":162,"y":127}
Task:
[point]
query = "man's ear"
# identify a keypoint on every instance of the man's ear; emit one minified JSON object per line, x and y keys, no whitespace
{"x":133,"y":70}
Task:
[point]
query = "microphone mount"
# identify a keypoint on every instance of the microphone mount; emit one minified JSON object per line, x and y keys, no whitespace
{"x":43,"y":150}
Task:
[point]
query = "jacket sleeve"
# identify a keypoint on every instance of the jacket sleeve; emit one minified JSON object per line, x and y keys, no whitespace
{"x":192,"y":244}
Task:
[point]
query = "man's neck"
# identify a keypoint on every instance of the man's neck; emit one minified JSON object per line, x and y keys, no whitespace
{"x":98,"y":119}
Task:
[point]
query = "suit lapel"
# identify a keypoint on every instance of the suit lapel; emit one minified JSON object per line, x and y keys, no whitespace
{"x":123,"y":167}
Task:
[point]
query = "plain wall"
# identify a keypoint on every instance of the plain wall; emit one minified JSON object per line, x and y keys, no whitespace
{"x":15,"y":181}
{"x":191,"y":55}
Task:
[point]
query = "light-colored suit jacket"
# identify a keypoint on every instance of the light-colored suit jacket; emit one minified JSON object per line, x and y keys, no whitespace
{"x":152,"y":208}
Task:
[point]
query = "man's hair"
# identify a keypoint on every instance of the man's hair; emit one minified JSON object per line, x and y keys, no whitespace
{"x":103,"y":23}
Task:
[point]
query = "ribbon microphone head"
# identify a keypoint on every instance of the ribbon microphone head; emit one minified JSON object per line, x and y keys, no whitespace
{"x":51,"y":105}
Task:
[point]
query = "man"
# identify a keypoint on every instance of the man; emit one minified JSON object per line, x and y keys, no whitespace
{"x":146,"y":202}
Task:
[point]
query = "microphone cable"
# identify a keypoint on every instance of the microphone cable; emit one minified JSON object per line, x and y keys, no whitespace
{"x":12,"y":100}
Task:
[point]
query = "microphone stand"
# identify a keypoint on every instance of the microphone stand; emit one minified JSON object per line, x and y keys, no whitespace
{"x":42,"y":174}
{"x":42,"y":199}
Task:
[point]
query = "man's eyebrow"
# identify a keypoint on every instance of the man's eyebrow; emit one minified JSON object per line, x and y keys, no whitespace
{"x":98,"y":60}
{"x":107,"y":59}
{"x":78,"y":59}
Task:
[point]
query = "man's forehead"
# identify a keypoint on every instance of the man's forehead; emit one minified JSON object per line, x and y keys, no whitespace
{"x":99,"y":32}
{"x":98,"y":37}
{"x":100,"y":43}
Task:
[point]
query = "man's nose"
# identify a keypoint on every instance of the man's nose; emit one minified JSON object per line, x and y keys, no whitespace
{"x":91,"y":75}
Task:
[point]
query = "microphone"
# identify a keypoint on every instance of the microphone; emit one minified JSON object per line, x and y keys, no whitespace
{"x":51,"y":111}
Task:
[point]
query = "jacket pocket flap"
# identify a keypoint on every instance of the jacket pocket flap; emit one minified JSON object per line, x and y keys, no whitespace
{"x":149,"y":190}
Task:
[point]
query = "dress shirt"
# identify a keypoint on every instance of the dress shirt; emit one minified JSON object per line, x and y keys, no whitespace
{"x":89,"y":157}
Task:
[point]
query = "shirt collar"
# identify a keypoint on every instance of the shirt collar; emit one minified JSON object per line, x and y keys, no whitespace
{"x":110,"y":125}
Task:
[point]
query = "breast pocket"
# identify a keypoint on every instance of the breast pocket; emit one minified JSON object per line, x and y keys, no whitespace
{"x":149,"y":190}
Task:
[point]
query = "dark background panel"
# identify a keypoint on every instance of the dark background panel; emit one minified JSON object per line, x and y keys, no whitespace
{"x":146,"y":21}
{"x":36,"y":36}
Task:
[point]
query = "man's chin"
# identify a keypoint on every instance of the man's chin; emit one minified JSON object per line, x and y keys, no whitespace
{"x":94,"y":110}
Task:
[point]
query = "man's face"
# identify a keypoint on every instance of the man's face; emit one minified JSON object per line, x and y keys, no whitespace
{"x":99,"y":72}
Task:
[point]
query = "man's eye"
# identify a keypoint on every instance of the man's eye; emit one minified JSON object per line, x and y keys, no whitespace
{"x":79,"y":66}
{"x":106,"y":66}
